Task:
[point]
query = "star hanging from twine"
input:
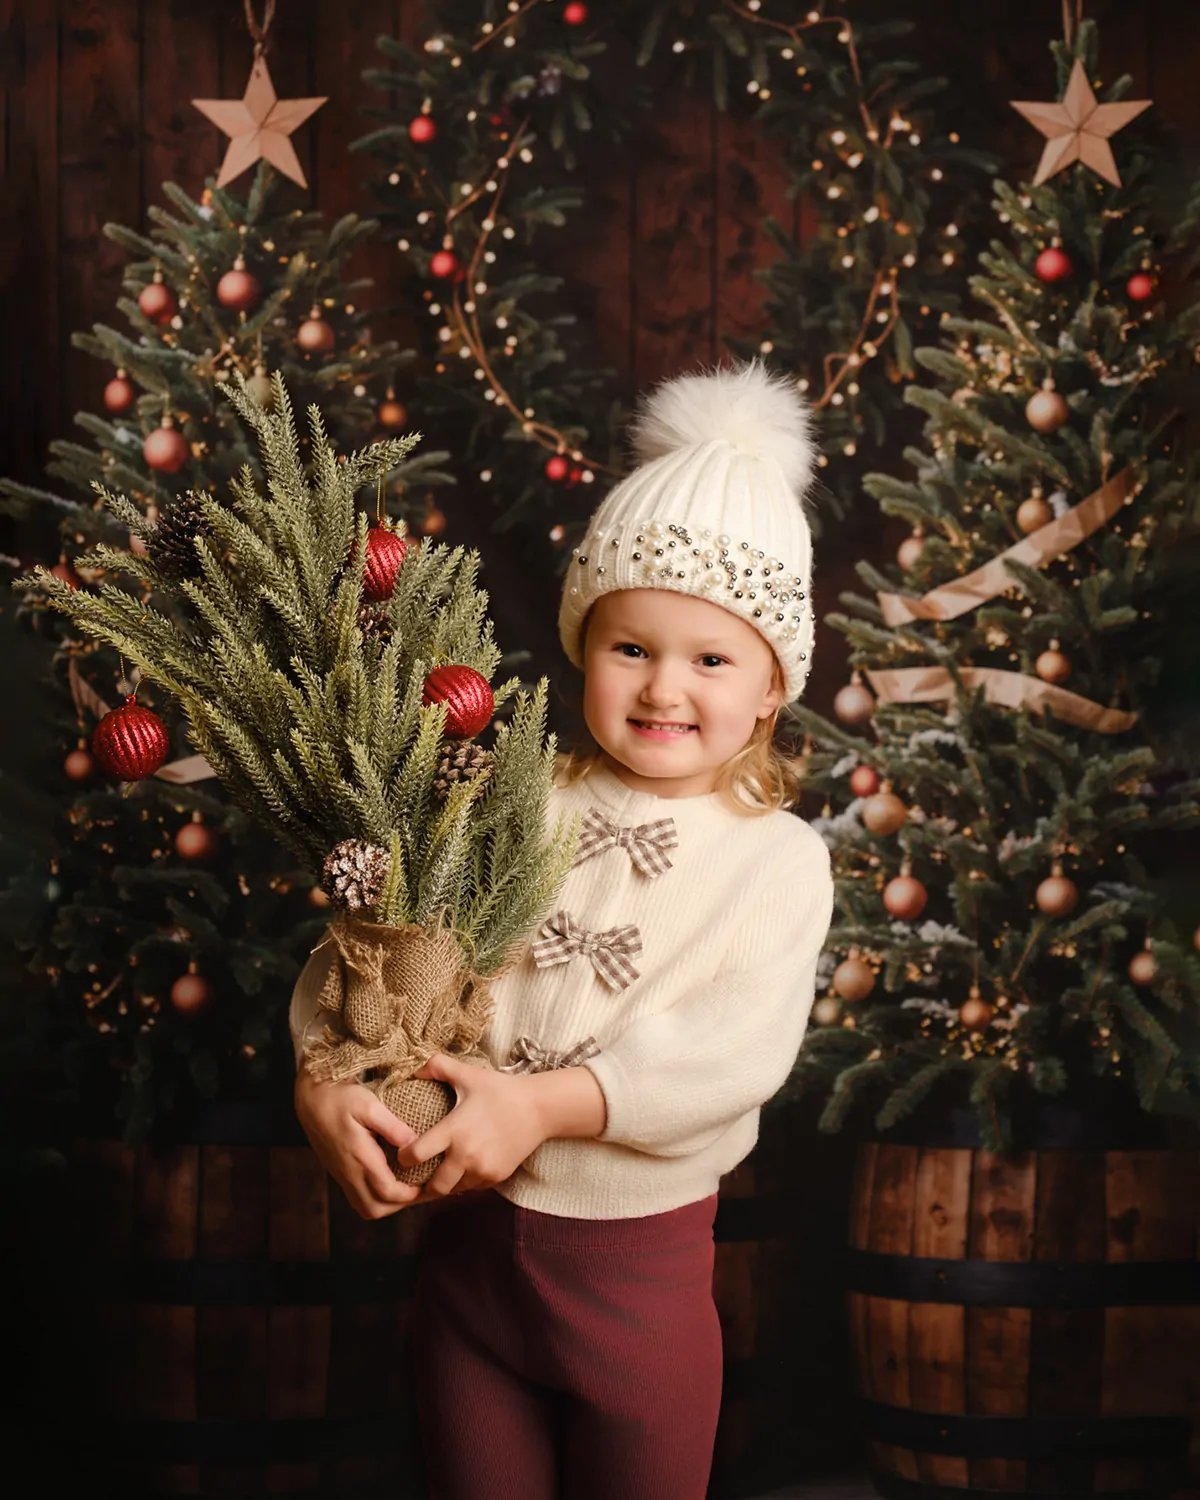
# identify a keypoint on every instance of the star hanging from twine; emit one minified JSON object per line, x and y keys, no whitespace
{"x":259,"y":125}
{"x":1077,"y":129}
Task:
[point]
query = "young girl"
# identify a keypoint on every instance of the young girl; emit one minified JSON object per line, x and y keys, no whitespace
{"x":565,"y":1337}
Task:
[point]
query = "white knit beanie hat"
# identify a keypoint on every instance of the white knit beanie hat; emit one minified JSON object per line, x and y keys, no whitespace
{"x":714,"y":509}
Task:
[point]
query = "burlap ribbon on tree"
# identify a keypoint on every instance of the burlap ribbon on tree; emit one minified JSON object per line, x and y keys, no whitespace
{"x":398,"y":995}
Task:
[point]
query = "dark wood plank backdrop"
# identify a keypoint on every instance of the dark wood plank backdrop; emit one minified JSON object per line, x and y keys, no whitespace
{"x":96,"y":114}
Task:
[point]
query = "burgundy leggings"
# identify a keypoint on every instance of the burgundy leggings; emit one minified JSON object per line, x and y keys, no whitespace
{"x":566,"y":1359}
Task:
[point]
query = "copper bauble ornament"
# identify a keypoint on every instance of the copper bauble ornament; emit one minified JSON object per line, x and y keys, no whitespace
{"x":385,"y":552}
{"x":909,"y":553}
{"x":136,"y":545}
{"x":435,"y":521}
{"x":130,"y":741}
{"x":467,"y":696}
{"x":1140,"y":288}
{"x":1142,"y":968}
{"x":884,"y":813}
{"x":118,"y":394}
{"x":1057,"y":895}
{"x":975,"y":1013}
{"x":905,"y":897}
{"x":853,"y":979}
{"x":317,"y":897}
{"x":1052,"y":265}
{"x":79,"y":765}
{"x":191,"y":992}
{"x":260,"y":389}
{"x":196,"y":840}
{"x":443,"y":263}
{"x":315,"y":334}
{"x":391,"y":413}
{"x":65,"y":573}
{"x":1052,"y":665}
{"x":827,"y":1011}
{"x":854,"y":703}
{"x":1046,"y":410}
{"x":422,"y":130}
{"x":238,"y":289}
{"x":166,"y":449}
{"x":157,"y":301}
{"x":1033,"y":514}
{"x":864,"y":781}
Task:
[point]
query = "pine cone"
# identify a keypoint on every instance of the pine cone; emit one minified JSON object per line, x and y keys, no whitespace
{"x":461,"y":761}
{"x":354,"y":873}
{"x":171,"y":544}
{"x":375,"y":624}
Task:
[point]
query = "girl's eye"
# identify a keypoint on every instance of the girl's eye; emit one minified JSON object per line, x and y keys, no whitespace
{"x":713,"y":661}
{"x":628,"y":646}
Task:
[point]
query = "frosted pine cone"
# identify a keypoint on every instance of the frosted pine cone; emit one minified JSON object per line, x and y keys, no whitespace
{"x":172,"y":546}
{"x":375,"y":624}
{"x":354,"y":873}
{"x":461,"y":761}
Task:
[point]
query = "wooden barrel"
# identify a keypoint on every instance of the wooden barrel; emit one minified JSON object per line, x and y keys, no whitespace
{"x":1027,"y":1323}
{"x":241,"y":1330}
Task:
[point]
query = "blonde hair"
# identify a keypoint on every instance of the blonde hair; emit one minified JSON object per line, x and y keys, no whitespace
{"x":759,"y":779}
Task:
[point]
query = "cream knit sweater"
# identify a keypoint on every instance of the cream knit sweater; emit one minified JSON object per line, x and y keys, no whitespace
{"x":689,"y":1049}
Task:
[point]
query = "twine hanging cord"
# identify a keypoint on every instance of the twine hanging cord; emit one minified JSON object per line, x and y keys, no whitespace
{"x":257,"y":32}
{"x":1071,"y":23}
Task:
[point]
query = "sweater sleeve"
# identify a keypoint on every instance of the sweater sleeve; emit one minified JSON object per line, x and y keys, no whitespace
{"x":675,"y":1081}
{"x":304,"y":1015}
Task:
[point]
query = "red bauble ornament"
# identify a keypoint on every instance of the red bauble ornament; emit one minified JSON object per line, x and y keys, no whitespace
{"x":854,"y":703}
{"x":884,"y":813}
{"x":422,"y":130}
{"x":443,"y":263}
{"x":557,"y":468}
{"x":157,"y":301}
{"x":130,"y":741}
{"x":165,"y":449}
{"x":191,"y":992}
{"x":79,"y":765}
{"x":467,"y":696}
{"x":1053,"y":265}
{"x":196,"y":840}
{"x":65,"y":573}
{"x":315,"y":334}
{"x":118,"y":394}
{"x":1142,"y":968}
{"x":237,"y":289}
{"x":864,"y":781}
{"x":391,"y":413}
{"x":905,"y":897}
{"x":1140,"y":288}
{"x":853,"y":979}
{"x":385,"y":553}
{"x":575,"y":14}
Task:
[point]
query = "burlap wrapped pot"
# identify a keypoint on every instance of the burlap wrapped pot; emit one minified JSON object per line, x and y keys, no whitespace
{"x":397,"y":995}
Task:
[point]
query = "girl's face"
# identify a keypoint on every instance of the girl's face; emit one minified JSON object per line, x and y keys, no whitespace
{"x":673,"y":686}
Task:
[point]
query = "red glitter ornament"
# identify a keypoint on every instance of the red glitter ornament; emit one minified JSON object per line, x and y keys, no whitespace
{"x":386,"y":550}
{"x":422,"y":130}
{"x":467,"y":696}
{"x":557,"y":468}
{"x":130,"y":741}
{"x":1053,"y":265}
{"x":443,"y":263}
{"x":575,"y":14}
{"x":157,"y":301}
{"x":165,"y":449}
{"x":1140,"y":288}
{"x":118,"y":394}
{"x":237,"y":289}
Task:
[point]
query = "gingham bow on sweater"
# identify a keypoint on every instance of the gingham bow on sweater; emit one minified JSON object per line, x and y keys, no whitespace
{"x":611,"y":952}
{"x":528,"y":1056}
{"x":647,"y":844}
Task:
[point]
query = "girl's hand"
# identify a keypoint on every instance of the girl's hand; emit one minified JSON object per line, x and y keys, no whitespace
{"x":500,"y":1118}
{"x":342,"y":1121}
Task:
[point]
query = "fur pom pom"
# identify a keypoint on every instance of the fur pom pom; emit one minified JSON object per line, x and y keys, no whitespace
{"x":745,"y":404}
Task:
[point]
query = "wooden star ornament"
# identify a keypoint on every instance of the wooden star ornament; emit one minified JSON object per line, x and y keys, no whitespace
{"x":259,"y":125}
{"x":1077,"y":129}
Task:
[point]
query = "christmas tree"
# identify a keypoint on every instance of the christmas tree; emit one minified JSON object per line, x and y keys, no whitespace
{"x":494,"y":129}
{"x":163,"y":930}
{"x":1006,"y":832}
{"x":320,"y":666}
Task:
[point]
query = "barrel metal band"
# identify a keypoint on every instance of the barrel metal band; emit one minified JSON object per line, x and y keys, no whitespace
{"x":1026,"y":1437}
